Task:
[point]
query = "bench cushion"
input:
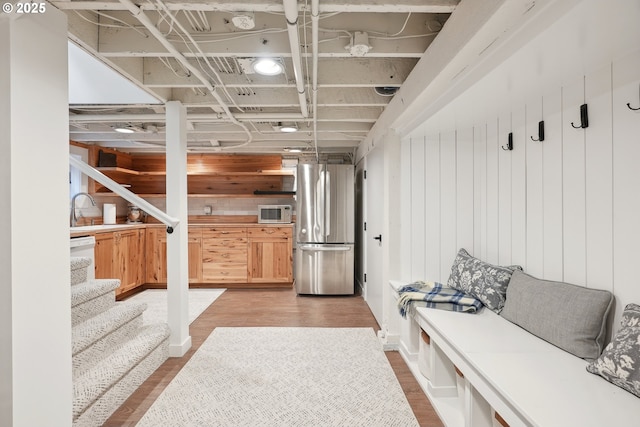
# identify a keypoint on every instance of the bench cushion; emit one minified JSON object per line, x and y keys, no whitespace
{"x":620,"y":361}
{"x":568,"y":316}
{"x":482,"y":280}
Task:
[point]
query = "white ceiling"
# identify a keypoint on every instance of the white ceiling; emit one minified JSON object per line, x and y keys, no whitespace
{"x":191,"y":51}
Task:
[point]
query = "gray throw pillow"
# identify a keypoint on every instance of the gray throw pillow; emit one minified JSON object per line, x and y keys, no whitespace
{"x":620,"y":361}
{"x":568,"y":316}
{"x":482,"y":280}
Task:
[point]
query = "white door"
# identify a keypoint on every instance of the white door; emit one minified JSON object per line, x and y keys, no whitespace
{"x":373,"y":235}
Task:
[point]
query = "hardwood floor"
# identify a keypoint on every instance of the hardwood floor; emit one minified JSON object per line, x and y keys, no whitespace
{"x":272,"y":308}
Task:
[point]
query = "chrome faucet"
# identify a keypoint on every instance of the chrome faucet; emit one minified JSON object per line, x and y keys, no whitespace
{"x":74,"y":218}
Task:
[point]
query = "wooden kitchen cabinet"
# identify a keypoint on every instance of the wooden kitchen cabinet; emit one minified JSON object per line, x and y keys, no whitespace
{"x":270,"y":254}
{"x":157,"y":255}
{"x":103,"y":252}
{"x":224,"y":255}
{"x":120,"y":255}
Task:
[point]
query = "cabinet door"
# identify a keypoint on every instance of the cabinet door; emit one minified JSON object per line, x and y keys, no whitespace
{"x":141,"y":263}
{"x":156,"y":252}
{"x":270,"y":256}
{"x":195,"y":255}
{"x":128,"y":259}
{"x":224,"y":255}
{"x":104,"y":250}
{"x":157,"y":256}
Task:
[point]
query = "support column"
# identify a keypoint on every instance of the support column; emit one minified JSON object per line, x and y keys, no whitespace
{"x":177,"y":242}
{"x":35,"y":291}
{"x":392,"y":228}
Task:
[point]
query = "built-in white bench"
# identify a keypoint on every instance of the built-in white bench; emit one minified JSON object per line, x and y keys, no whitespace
{"x":473,"y":365}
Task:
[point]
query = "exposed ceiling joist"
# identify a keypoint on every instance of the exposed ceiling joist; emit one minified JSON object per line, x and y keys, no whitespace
{"x":353,"y":57}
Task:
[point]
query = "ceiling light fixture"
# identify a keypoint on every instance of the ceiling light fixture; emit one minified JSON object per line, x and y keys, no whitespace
{"x":386,"y":90}
{"x":288,"y":128}
{"x":359,"y":45}
{"x":293,"y":150}
{"x":124,"y":129}
{"x":268,"y":67}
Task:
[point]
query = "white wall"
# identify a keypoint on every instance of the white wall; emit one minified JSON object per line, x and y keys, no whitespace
{"x":563,"y":209}
{"x":35,"y":326}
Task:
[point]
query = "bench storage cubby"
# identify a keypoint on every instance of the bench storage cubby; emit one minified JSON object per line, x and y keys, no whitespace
{"x":509,"y":376}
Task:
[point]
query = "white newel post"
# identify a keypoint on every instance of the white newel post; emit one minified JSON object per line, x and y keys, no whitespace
{"x":177,"y":242}
{"x":35,"y":292}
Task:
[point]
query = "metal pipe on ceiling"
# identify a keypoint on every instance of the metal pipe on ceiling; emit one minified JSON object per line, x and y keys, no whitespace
{"x":291,"y":14}
{"x":139,"y":14}
{"x":159,"y":117}
{"x":315,"y":17}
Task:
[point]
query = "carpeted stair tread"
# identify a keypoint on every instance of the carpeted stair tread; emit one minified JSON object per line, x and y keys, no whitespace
{"x":100,"y":410}
{"x":91,"y":289}
{"x":95,"y":328}
{"x":98,"y":350}
{"x":95,"y":382}
{"x":78,"y":267}
{"x":91,"y":298}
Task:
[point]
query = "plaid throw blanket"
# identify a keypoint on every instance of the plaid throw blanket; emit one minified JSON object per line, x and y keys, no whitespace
{"x":434,"y":295}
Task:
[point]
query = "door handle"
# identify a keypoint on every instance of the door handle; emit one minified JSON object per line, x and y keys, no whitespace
{"x":378,"y":237}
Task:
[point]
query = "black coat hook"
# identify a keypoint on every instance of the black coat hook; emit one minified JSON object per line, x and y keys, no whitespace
{"x":629,"y":104}
{"x":584,"y":118}
{"x":509,"y":145}
{"x":540,"y":132}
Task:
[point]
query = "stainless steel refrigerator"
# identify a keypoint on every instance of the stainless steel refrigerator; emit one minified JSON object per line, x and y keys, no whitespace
{"x":325,"y":234}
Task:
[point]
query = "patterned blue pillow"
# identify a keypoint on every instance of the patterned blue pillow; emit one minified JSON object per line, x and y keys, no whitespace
{"x":482,"y":280}
{"x":619,"y":363}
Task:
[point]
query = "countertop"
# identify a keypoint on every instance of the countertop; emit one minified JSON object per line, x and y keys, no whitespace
{"x":89,"y":230}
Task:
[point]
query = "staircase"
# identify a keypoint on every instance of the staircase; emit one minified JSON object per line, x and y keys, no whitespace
{"x":113,"y":352}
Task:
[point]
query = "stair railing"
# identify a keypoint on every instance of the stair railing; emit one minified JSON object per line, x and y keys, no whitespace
{"x":132,"y":198}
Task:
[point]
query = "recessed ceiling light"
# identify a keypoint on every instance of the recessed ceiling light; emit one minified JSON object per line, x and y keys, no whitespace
{"x":293,"y":150}
{"x":267,"y":67}
{"x":289,"y":128}
{"x":124,"y":130}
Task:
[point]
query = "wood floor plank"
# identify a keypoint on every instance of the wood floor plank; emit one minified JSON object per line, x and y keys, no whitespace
{"x":272,"y":307}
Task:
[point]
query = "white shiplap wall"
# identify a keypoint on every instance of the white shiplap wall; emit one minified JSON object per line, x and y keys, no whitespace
{"x":564,"y":209}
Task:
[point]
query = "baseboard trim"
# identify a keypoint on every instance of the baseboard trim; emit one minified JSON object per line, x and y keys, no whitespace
{"x":389,"y":342}
{"x":179,"y":350}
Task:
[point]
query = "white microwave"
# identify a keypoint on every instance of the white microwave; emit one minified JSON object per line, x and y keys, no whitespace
{"x":274,"y":214}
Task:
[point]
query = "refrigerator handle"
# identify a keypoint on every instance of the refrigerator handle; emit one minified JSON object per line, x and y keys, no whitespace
{"x":319,"y":199}
{"x":327,"y":206}
{"x":324,"y":248}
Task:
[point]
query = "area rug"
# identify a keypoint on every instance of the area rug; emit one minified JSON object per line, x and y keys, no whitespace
{"x":156,"y":300}
{"x":284,"y":377}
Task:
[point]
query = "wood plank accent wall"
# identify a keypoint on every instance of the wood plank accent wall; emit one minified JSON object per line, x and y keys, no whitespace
{"x":215,"y":174}
{"x":564,"y":209}
{"x":208,"y":163}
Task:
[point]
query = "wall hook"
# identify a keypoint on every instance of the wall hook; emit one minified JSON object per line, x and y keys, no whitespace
{"x":540,"y":132}
{"x":584,"y":118}
{"x":509,"y":145}
{"x":629,"y":104}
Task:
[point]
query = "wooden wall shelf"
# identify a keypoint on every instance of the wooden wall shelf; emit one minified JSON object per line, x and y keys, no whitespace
{"x":208,"y":175}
